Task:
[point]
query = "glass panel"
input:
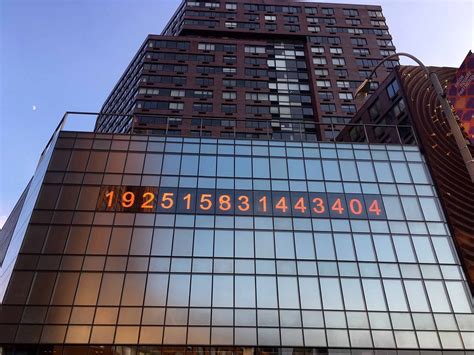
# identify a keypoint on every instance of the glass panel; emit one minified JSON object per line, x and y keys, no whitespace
{"x":304,"y":246}
{"x":309,"y":293}
{"x":458,"y":297}
{"x":203,"y":242}
{"x":395,"y":295}
{"x":324,"y":246}
{"x":443,"y":249}
{"x":393,"y":208}
{"x":111,"y":289}
{"x":243,"y":167}
{"x":436,"y":294}
{"x":133,"y":290}
{"x":296,"y":169}
{"x":418,"y":173}
{"x":278,"y":167}
{"x":223,"y":289}
{"x":171,"y":164}
{"x":314,"y":170}
{"x":364,"y":247}
{"x":353,"y":298}
{"x":331,"y":170}
{"x":374,"y":296}
{"x":402,"y":175}
{"x":423,"y":249}
{"x":261,"y":168}
{"x":207,"y":165}
{"x":189,"y":165}
{"x":344,"y":248}
{"x":224,"y":243}
{"x":404,"y":249}
{"x":201,"y":286}
{"x":178,"y":293}
{"x":284,"y":245}
{"x":156,"y":290}
{"x":348,"y":170}
{"x":244,"y":291}
{"x":244,"y":244}
{"x":88,"y":289}
{"x":366,"y":171}
{"x":264,"y":245}
{"x":183,"y":242}
{"x":266,"y":292}
{"x":430,"y":209}
{"x":288,"y":292}
{"x":225,"y":166}
{"x":162,"y":241}
{"x":383,"y":246}
{"x":331,"y":293}
{"x":416,"y":296}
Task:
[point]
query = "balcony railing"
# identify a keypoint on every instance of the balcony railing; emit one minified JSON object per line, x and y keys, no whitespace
{"x":231,"y":128}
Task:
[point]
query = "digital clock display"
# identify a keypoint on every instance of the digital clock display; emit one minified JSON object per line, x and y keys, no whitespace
{"x":239,"y":202}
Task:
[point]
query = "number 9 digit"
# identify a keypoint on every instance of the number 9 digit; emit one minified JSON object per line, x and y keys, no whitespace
{"x":128,"y":199}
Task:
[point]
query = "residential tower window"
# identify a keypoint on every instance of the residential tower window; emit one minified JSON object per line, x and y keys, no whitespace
{"x":392,"y":89}
{"x":351,"y":12}
{"x":229,"y":95}
{"x":325,"y":95}
{"x":323,"y":83}
{"x":327,"y":11}
{"x":338,"y":61}
{"x":225,"y":108}
{"x":319,"y":61}
{"x":176,"y":105}
{"x":206,"y":47}
{"x":345,"y":96}
{"x":202,"y":107}
{"x":321,"y":72}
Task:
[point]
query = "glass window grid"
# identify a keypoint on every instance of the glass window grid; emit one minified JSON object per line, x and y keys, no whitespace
{"x":284,"y":225}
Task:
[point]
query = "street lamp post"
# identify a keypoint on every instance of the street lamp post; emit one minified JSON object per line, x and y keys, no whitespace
{"x":364,"y":88}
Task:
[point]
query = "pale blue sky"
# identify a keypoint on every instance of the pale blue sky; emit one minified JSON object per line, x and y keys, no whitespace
{"x":66,"y":55}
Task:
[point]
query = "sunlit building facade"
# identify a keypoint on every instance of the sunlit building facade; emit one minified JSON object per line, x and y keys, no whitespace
{"x":193,"y":235}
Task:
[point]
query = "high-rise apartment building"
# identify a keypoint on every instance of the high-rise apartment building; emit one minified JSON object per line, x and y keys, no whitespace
{"x":249,"y":69}
{"x":209,"y":213}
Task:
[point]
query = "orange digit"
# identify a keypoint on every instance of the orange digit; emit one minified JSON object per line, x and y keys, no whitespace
{"x":187,"y":198}
{"x":281,"y":205}
{"x":128,"y":199}
{"x":374,"y":208}
{"x":263,"y":201}
{"x":244,"y":206}
{"x":110,"y":197}
{"x":337,"y":206}
{"x":224,"y":203}
{"x":206,"y":202}
{"x":149,"y":197}
{"x":319,"y":205}
{"x":167,"y":200}
{"x":300,"y":205}
{"x":357,"y":209}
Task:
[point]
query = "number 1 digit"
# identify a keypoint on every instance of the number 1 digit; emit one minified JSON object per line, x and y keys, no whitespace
{"x":110,"y":197}
{"x":263,"y":201}
{"x":187,"y":198}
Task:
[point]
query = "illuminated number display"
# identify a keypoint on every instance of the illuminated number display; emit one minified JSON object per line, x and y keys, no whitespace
{"x":234,"y":202}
